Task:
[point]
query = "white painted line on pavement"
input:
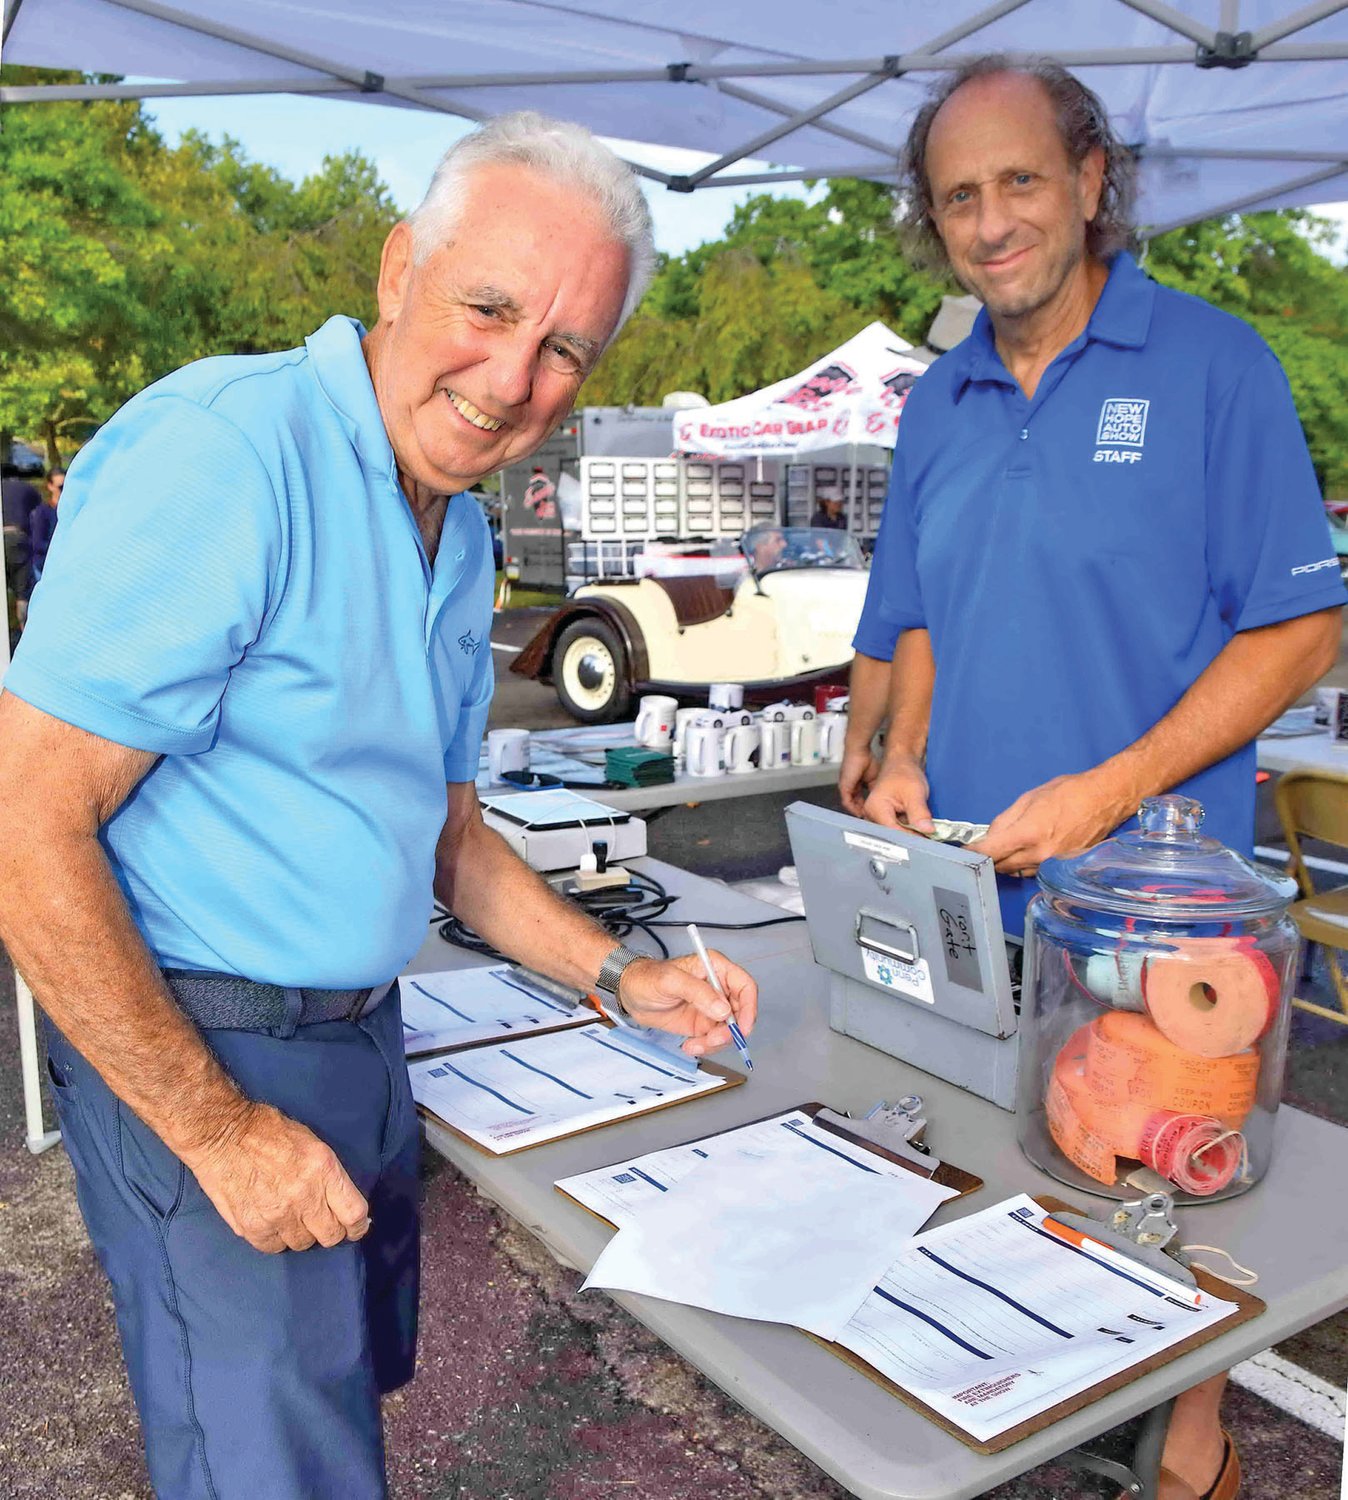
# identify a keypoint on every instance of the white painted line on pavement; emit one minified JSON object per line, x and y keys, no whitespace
{"x":1294,"y":1390}
{"x":1312,"y":861}
{"x":501,"y":646}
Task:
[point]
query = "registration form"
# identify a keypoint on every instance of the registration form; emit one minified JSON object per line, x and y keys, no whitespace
{"x":993,"y":1319}
{"x":782,"y":1222}
{"x":522,"y":1093}
{"x":618,"y":1192}
{"x":464,"y":1006}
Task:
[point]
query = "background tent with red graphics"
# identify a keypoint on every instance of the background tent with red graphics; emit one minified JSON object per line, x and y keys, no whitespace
{"x":852,"y":396}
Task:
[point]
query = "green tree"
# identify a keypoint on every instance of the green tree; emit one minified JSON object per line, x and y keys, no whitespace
{"x":128,"y":258}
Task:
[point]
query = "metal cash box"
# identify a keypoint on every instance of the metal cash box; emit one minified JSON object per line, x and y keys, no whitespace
{"x":911,"y":932}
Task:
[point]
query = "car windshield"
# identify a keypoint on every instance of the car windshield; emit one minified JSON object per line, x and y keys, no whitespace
{"x":774,"y":549}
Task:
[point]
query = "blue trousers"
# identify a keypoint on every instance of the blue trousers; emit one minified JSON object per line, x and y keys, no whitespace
{"x":258,"y":1377}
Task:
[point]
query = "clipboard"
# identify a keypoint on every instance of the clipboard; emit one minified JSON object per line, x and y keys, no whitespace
{"x":946,"y":1175}
{"x":730,"y":1079}
{"x":1248,"y":1306}
{"x":582,"y":1015}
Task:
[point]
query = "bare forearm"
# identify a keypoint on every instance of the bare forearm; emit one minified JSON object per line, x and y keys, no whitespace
{"x":1251,"y":681}
{"x":487,"y":886}
{"x":868,"y":700}
{"x":68,"y":930}
{"x":912,"y":676}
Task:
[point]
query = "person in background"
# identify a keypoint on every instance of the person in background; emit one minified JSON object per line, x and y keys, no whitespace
{"x":829,"y":511}
{"x":42,"y":522}
{"x":18,"y":500}
{"x":1103,"y":565}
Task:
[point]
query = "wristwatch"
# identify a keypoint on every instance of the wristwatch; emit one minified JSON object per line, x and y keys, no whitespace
{"x":611,"y":972}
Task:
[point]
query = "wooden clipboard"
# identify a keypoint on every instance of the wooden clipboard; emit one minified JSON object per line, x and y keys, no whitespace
{"x":946,"y":1175}
{"x":731,"y":1078}
{"x":1248,"y":1305}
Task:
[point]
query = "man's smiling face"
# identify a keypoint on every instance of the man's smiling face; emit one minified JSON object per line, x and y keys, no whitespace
{"x":482,"y":346}
{"x":1010,"y":205}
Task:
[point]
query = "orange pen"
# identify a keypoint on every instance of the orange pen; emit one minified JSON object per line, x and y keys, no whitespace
{"x":1108,"y":1254}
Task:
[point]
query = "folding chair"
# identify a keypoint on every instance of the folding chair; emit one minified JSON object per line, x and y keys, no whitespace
{"x":1314,"y":804}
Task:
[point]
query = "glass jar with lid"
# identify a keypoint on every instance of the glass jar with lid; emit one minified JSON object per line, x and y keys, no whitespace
{"x":1158,"y":984}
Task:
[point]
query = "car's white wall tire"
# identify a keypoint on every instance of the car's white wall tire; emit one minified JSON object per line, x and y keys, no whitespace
{"x":589,"y":669}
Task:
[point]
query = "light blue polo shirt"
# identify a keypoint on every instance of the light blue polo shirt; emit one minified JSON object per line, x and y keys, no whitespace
{"x":238,"y":585}
{"x":1081,"y":558}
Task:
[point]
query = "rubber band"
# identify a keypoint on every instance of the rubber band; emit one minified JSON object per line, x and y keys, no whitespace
{"x":1249,"y":1278}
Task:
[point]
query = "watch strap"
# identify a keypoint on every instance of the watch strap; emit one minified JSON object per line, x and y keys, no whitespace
{"x":611,"y":973}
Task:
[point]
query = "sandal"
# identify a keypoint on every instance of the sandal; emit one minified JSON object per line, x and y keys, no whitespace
{"x":1226,"y":1486}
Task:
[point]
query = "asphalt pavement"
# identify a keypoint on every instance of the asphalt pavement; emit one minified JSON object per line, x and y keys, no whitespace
{"x":526,"y":1390}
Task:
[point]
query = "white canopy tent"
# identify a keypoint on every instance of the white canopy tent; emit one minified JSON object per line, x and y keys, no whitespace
{"x":1230,"y":105}
{"x":853,"y":395}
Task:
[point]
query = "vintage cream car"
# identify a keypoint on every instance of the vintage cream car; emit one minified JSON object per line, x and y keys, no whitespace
{"x":784,"y":623}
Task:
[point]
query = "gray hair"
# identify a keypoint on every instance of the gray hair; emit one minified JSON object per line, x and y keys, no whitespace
{"x":561,"y":150}
{"x":1083,"y":123}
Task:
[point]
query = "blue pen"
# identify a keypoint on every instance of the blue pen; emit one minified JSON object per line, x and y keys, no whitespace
{"x":736,"y":1035}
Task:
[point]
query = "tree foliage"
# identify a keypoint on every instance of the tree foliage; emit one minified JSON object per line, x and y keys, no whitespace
{"x":127,"y":258}
{"x":789,"y":280}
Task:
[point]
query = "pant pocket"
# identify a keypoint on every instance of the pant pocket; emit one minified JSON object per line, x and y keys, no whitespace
{"x":151,"y":1171}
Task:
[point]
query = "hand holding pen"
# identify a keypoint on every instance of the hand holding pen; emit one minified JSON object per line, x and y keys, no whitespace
{"x":736,"y":1035}
{"x":672,"y":995}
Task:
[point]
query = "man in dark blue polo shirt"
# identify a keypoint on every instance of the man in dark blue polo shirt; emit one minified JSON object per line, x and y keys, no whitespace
{"x":1103,"y":566}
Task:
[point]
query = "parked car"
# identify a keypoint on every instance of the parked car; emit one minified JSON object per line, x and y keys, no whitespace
{"x":779,"y":617}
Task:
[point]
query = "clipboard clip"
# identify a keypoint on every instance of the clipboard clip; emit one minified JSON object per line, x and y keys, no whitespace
{"x":1147,"y":1221}
{"x":1138,"y":1230}
{"x":898,"y":1128}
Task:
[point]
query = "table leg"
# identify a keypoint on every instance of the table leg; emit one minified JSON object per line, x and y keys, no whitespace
{"x":1143,"y":1479}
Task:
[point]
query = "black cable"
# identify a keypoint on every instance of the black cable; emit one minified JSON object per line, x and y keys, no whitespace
{"x":637,"y":906}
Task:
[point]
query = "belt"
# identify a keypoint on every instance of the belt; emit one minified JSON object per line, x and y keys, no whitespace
{"x":227,"y":1002}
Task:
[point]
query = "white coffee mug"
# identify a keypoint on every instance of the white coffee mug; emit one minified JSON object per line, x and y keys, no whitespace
{"x":832,"y":736}
{"x":805,"y":741}
{"x":655,"y":721}
{"x":702,"y":755}
{"x":683,"y":717}
{"x":726,"y":695}
{"x":507,"y":750}
{"x":740,"y":744}
{"x":774,"y":744}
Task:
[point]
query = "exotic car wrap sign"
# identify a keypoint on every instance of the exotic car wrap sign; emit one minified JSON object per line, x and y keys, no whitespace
{"x":854,"y":395}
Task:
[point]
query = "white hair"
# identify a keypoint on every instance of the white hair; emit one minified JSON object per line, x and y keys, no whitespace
{"x":561,"y":150}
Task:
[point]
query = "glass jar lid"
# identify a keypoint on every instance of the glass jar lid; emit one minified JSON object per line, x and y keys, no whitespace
{"x":1166,"y":870}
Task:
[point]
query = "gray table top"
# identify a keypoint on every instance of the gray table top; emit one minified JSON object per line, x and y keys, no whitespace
{"x":1302,"y":752}
{"x":1291,"y":1228}
{"x":573,"y":754}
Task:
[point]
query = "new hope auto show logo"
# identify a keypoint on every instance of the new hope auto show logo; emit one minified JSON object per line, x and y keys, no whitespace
{"x":1122,"y":430}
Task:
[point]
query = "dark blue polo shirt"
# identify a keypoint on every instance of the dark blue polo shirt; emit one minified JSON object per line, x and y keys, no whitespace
{"x":1080,"y":558}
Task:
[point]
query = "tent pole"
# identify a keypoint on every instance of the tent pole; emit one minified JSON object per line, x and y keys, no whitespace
{"x":36,"y":1139}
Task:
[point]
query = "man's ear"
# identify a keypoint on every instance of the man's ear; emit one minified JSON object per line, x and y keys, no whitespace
{"x":395,"y":271}
{"x":1091,"y":181}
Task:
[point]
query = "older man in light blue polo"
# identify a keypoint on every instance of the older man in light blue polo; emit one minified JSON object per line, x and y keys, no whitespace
{"x":237,"y":750}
